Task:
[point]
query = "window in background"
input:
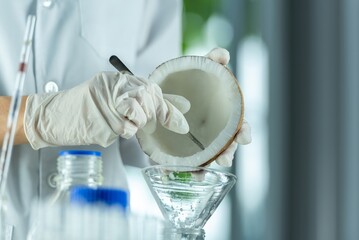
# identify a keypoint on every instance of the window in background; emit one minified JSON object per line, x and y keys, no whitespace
{"x":252,"y":160}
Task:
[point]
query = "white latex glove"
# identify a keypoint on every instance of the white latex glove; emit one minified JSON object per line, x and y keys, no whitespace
{"x":109,"y":105}
{"x":221,"y":56}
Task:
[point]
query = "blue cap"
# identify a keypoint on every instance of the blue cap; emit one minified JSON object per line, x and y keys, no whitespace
{"x":80,"y":152}
{"x":107,"y":196}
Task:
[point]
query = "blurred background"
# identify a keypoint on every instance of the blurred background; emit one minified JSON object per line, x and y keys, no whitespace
{"x":298,"y":66}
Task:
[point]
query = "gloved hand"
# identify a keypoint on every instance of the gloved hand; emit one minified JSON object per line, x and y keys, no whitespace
{"x":221,"y":56}
{"x":101,"y":109}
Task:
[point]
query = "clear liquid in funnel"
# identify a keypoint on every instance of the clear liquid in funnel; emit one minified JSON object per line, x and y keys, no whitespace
{"x":188,"y":198}
{"x":182,"y":206}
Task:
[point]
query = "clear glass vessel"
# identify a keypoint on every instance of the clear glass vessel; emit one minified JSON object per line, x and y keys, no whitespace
{"x":188,"y":196}
{"x":76,"y":167}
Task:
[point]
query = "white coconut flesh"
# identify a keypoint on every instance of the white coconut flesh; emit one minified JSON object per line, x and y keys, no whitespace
{"x":215,"y":116}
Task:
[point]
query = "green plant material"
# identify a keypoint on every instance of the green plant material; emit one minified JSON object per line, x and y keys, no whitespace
{"x":181,"y":177}
{"x":182,"y":195}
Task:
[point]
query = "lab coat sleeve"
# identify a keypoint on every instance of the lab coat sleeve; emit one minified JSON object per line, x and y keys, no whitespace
{"x":159,"y":39}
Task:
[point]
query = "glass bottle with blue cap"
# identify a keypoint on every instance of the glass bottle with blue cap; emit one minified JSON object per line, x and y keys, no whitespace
{"x":76,"y":168}
{"x":102,"y":196}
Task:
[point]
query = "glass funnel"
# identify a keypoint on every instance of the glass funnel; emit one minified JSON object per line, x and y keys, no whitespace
{"x":187,"y":196}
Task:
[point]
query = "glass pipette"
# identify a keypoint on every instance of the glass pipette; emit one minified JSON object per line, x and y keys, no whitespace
{"x":15,"y":103}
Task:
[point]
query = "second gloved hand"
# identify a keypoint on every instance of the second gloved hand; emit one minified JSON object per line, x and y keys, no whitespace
{"x":244,"y":136}
{"x":101,"y":109}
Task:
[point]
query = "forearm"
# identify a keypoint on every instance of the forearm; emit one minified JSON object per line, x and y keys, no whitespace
{"x":20,"y":137}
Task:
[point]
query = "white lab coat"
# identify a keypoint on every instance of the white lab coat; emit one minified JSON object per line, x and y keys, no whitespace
{"x":73,"y":40}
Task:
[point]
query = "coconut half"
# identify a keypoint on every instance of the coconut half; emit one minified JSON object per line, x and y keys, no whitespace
{"x":215,"y":117}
